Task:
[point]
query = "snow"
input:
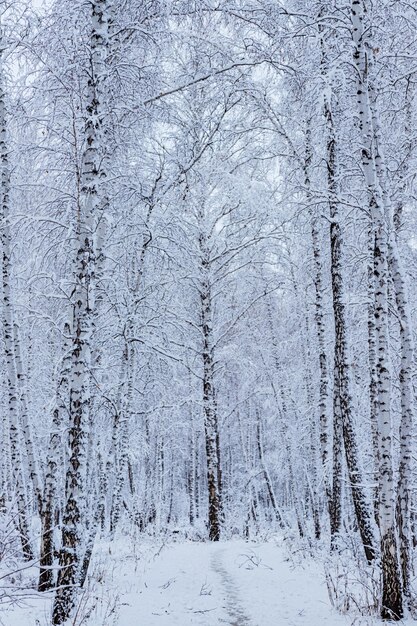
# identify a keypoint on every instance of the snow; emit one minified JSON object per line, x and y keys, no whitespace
{"x":179,"y":584}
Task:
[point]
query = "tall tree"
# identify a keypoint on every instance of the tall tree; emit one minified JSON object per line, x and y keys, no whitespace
{"x":392,"y":602}
{"x":15,"y":425}
{"x":89,"y":220}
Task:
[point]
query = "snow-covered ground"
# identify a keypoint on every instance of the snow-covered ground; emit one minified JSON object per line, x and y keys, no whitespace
{"x":228,"y":583}
{"x":235,"y":583}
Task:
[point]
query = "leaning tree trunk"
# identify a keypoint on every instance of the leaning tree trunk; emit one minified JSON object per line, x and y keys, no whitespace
{"x":392,"y":600}
{"x":407,"y":416}
{"x":343,"y":402}
{"x":407,"y":466}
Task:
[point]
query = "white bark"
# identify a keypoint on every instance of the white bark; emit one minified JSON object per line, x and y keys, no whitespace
{"x":407,"y":415}
{"x":33,"y":468}
{"x":55,"y":460}
{"x":89,"y":223}
{"x":321,"y":343}
{"x":12,"y":382}
{"x":211,"y":426}
{"x":122,"y":434}
{"x":397,"y":273}
{"x":391,"y":591}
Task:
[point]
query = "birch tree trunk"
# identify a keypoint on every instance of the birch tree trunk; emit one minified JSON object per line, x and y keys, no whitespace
{"x":55,"y":460}
{"x":315,"y":435}
{"x":211,"y":427}
{"x":392,"y":601}
{"x":123,"y":436}
{"x":406,"y":467}
{"x":372,"y":358}
{"x":89,"y":218}
{"x":117,"y":458}
{"x":264,"y":468}
{"x":407,"y":416}
{"x":397,"y":274}
{"x":211,"y":420}
{"x":337,"y":468}
{"x":33,"y":469}
{"x":343,"y":401}
{"x":111,"y":473}
{"x":320,"y":325}
{"x":8,"y":327}
{"x":73,"y":517}
{"x":319,"y":318}
{"x":191,"y":466}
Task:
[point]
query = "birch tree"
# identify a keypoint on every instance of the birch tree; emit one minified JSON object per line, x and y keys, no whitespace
{"x":8,"y":334}
{"x":392,"y":606}
{"x":88,"y":223}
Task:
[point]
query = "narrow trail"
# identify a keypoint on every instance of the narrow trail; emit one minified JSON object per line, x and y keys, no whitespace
{"x":233,"y":606}
{"x":231,"y":583}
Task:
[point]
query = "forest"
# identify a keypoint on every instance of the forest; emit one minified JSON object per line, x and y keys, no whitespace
{"x":208,"y":312}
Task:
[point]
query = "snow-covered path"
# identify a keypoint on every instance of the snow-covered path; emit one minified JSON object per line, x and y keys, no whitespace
{"x":230,"y":591}
{"x":233,"y":583}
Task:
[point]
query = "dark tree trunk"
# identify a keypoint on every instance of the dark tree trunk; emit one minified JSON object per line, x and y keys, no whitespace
{"x":341,"y":363}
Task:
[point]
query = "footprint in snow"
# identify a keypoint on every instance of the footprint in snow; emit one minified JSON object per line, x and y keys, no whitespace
{"x":234,"y":606}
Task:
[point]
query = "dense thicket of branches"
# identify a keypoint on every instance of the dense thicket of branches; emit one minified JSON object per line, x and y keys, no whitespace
{"x":208,"y":235}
